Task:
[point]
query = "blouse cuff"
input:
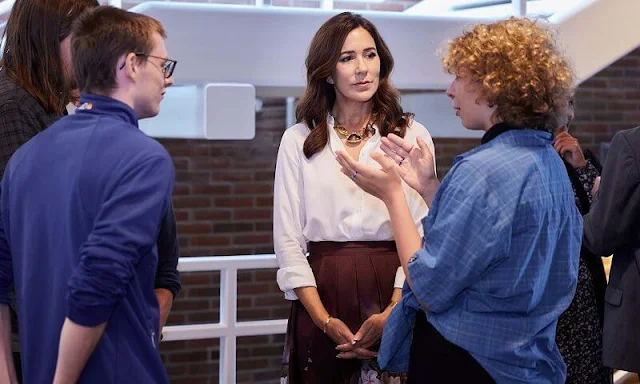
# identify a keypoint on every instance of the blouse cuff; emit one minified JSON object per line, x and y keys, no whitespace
{"x":400,"y":277}
{"x":293,"y":277}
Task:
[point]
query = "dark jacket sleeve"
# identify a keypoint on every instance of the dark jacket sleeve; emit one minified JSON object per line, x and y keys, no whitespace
{"x":6,"y":262}
{"x":593,"y":159}
{"x":167,"y":275}
{"x":616,"y":206}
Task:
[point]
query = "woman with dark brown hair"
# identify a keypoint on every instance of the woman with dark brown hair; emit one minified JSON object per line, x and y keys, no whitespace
{"x":345,"y":289}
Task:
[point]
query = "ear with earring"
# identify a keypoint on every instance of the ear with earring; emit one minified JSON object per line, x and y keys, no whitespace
{"x":329,"y":80}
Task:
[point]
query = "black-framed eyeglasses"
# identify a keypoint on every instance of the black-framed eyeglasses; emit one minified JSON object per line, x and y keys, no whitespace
{"x":167,"y":66}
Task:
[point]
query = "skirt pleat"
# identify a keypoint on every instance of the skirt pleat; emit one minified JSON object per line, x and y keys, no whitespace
{"x":355,"y":280}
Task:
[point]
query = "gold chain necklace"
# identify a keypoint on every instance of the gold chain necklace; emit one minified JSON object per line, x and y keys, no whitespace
{"x":354,"y":137}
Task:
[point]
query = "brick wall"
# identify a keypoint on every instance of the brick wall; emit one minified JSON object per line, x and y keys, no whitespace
{"x":223,"y":200}
{"x":608,"y":102}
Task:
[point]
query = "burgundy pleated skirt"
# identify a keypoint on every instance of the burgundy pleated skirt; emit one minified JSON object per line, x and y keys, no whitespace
{"x":355,"y":280}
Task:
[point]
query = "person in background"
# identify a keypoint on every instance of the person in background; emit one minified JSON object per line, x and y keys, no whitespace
{"x":498,"y":263}
{"x":579,"y":332}
{"x":612,"y":227}
{"x":34,"y":93}
{"x":81,"y":205}
{"x":346,"y":287}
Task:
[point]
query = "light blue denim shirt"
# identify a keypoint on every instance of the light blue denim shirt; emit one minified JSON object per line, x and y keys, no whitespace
{"x":499,"y":262}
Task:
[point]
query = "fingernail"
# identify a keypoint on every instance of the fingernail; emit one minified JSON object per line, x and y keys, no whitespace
{"x":354,"y":341}
{"x":338,"y":356}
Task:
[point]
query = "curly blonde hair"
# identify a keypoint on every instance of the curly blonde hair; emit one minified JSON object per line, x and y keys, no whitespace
{"x":519,"y":68}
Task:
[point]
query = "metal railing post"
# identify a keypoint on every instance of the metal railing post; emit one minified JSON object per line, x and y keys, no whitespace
{"x":227,"y":329}
{"x":290,"y":113}
{"x":326,"y":4}
{"x":519,"y":8}
{"x":228,"y":317}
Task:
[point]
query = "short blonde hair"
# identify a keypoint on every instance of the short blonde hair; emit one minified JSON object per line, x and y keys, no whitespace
{"x":519,"y":68}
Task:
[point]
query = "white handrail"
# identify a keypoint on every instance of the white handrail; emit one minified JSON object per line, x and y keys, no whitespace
{"x":228,"y":329}
{"x":216,"y":330}
{"x":218,"y":263}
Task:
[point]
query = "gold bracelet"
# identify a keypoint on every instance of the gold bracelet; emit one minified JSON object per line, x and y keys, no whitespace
{"x":326,"y":324}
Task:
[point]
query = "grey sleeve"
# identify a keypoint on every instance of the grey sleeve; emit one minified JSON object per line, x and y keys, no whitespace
{"x":615,"y":209}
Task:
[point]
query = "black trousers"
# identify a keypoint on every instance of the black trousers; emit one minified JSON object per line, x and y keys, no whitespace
{"x":435,"y":360}
{"x":18,"y":364}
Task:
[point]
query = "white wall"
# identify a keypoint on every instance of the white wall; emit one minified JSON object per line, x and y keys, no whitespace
{"x":265,"y":47}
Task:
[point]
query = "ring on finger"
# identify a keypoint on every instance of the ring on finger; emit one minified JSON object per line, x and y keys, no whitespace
{"x":353,"y":175}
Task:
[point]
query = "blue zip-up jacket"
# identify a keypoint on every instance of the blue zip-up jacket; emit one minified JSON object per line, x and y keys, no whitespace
{"x":81,"y":205}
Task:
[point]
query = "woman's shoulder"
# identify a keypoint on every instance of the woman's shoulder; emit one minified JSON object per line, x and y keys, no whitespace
{"x":296,"y":134}
{"x":416,"y":129}
{"x":293,"y":139}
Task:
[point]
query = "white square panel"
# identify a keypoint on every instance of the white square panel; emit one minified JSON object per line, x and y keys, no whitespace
{"x":229,"y":111}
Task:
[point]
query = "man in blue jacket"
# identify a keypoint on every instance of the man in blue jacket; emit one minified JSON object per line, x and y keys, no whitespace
{"x":33,"y":63}
{"x":81,"y":204}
